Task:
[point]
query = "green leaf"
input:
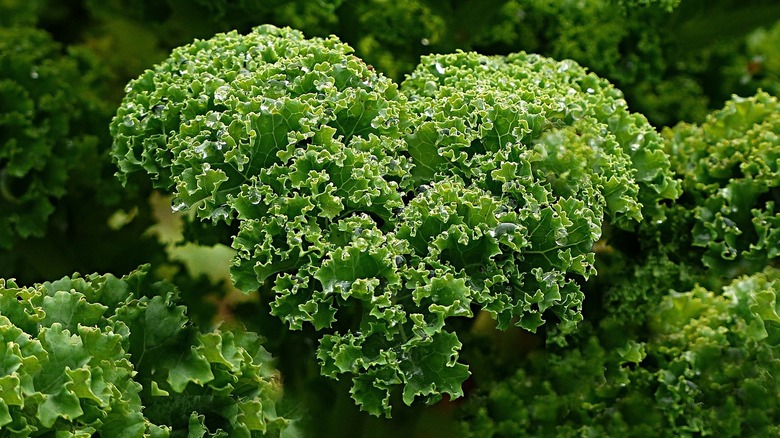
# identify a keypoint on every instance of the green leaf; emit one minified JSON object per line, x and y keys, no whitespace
{"x":63,"y":350}
{"x":63,"y":404}
{"x":11,"y":391}
{"x":433,"y":370}
{"x":5,"y":415}
{"x":70,"y":309}
{"x":424,"y":149}
{"x":192,"y":367}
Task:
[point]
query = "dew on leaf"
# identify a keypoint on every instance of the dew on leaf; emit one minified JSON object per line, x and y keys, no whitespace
{"x":254,"y":196}
{"x":221,"y":93}
{"x":178,"y":205}
{"x":211,"y":119}
{"x":561,"y":237}
{"x":502,"y":229}
{"x":548,"y":278}
{"x":202,"y":149}
{"x":158,"y":109}
{"x":219,"y":213}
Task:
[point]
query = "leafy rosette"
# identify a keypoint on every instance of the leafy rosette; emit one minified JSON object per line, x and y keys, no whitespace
{"x":301,"y":144}
{"x":221,"y":119}
{"x":475,"y":110}
{"x":731,"y":181}
{"x":380,"y":230}
{"x":118,"y":357}
{"x":557,"y":154}
{"x":47,"y":112}
{"x":707,"y":368}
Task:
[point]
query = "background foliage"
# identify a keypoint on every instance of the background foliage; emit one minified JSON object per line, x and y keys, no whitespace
{"x":680,"y":264}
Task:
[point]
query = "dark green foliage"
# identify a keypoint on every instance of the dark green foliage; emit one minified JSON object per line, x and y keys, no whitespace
{"x":19,"y":12}
{"x":758,"y":66}
{"x":47,"y":109}
{"x":706,"y":367}
{"x":59,"y":200}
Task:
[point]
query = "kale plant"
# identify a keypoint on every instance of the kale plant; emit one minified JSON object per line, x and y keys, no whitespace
{"x":378,"y":215}
{"x":118,"y":357}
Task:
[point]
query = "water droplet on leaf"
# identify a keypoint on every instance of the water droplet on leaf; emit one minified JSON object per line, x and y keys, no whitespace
{"x":504,"y":228}
{"x":221,"y":93}
{"x":178,"y":205}
{"x":158,"y":109}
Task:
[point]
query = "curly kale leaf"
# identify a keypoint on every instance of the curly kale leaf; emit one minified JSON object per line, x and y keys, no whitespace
{"x":222,"y":120}
{"x":728,"y":167}
{"x":118,"y":357}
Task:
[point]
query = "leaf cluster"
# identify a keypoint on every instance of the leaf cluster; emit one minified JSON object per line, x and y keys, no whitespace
{"x":706,"y":367}
{"x":383,"y":230}
{"x":46,"y":117}
{"x":683,"y":340}
{"x":675,"y":60}
{"x":728,"y":167}
{"x":383,"y":216}
{"x":119,"y":357}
